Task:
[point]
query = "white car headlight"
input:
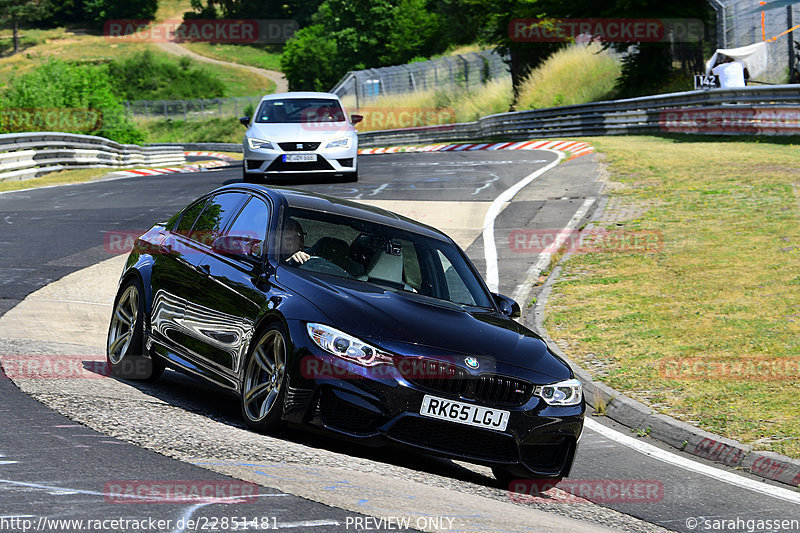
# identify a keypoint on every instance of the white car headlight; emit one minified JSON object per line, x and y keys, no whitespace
{"x":339,"y":143}
{"x":257,"y":144}
{"x":346,"y":346}
{"x":569,"y":392}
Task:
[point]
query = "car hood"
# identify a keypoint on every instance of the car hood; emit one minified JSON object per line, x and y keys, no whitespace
{"x":306,"y":132}
{"x":398,"y":319}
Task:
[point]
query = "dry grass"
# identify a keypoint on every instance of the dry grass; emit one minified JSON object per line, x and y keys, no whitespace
{"x":725,"y":284}
{"x":575,"y":75}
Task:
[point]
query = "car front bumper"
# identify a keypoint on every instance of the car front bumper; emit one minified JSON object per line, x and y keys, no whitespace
{"x":272,"y":162}
{"x":382,"y":407}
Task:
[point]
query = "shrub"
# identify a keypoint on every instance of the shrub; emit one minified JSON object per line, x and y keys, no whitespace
{"x":58,"y":85}
{"x":146,"y":76}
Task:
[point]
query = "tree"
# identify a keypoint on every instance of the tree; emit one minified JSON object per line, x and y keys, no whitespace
{"x":309,"y":60}
{"x":16,"y":11}
{"x":101,"y":11}
{"x":298,"y":10}
{"x":521,"y":57}
{"x":647,"y":66}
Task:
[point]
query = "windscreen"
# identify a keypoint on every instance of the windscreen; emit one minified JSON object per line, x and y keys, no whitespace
{"x":299,"y":111}
{"x":345,"y":247}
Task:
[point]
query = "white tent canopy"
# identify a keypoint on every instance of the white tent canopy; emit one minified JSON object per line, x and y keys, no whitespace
{"x":753,"y":56}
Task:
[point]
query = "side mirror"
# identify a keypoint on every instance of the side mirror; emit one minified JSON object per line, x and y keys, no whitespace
{"x":355,"y":119}
{"x":244,"y":121}
{"x":238,"y":246}
{"x":507,"y":306}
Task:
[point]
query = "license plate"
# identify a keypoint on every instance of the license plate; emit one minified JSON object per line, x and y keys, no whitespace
{"x":299,"y":158}
{"x":464,"y":413}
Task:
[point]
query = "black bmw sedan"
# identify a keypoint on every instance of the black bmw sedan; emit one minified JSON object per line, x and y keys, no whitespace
{"x":348,"y":319}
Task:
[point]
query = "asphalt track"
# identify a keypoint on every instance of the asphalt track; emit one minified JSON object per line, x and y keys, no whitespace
{"x":51,"y":466}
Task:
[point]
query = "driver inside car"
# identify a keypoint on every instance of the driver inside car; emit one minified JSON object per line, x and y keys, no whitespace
{"x":293,"y":242}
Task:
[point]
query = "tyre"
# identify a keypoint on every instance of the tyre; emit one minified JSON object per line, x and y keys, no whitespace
{"x":125,"y":344}
{"x":264,"y":381}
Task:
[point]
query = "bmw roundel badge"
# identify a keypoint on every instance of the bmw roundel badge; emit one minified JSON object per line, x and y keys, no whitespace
{"x":472,"y":362}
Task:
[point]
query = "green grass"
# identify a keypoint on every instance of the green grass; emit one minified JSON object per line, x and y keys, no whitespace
{"x":574,"y":75}
{"x":722,"y":286}
{"x":226,"y":130}
{"x":266,"y":56}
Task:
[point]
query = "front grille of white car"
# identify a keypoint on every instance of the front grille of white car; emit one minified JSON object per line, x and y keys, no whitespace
{"x":298,"y":146}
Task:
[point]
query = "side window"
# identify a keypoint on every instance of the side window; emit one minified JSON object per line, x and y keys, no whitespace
{"x":189,"y":217}
{"x":216,"y":216}
{"x":252,"y":221}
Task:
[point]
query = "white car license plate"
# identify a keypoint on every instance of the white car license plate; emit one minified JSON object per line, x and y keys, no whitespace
{"x":299,"y":158}
{"x":464,"y":413}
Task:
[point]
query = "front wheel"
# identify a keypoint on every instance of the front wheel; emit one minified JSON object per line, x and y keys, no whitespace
{"x":264,"y":383}
{"x":125,"y":343}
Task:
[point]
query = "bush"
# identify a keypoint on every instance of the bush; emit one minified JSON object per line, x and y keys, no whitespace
{"x":145,"y":76}
{"x":57,"y":87}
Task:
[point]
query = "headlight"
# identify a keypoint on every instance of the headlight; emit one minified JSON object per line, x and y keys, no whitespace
{"x":339,"y":143}
{"x":257,"y":144}
{"x":569,"y":392}
{"x":345,"y":346}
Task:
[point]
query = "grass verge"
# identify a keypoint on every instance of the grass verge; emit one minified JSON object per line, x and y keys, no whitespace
{"x":723,"y":286}
{"x":221,"y":130}
{"x":62,"y":177}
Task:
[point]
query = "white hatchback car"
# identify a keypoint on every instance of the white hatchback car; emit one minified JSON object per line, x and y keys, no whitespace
{"x":300,"y":133}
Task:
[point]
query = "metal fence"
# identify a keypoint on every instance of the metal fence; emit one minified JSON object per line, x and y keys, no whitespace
{"x":739,"y":24}
{"x":187,"y":110}
{"x":451,"y":72}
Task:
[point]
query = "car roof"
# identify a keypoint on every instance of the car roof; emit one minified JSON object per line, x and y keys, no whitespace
{"x":300,"y":94}
{"x":329,"y":204}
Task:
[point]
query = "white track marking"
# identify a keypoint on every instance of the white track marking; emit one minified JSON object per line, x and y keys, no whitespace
{"x":687,"y":464}
{"x":307,"y":523}
{"x":489,"y":249}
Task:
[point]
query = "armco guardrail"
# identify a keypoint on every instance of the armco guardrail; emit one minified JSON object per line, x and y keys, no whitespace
{"x":772,"y":110}
{"x":26,"y":155}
